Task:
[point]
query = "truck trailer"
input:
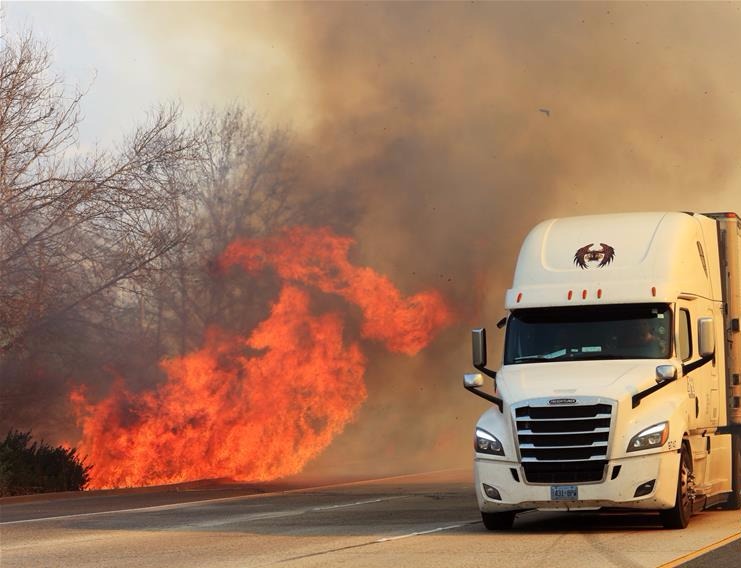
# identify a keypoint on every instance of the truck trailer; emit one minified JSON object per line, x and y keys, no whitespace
{"x":620,"y":382}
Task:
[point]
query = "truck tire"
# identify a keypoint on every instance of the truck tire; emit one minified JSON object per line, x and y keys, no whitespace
{"x":678,"y":517}
{"x":498,"y":521}
{"x":734,"y":500}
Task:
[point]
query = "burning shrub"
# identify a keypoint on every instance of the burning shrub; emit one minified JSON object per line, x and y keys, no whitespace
{"x":259,"y":406}
{"x":31,"y":467}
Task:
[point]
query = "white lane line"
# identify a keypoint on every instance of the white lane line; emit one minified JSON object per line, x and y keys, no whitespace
{"x":234,"y":519}
{"x":340,"y":506}
{"x":419,"y":533}
{"x":174,"y":506}
{"x":255,"y":516}
{"x":96,"y":514}
{"x":371,"y":543}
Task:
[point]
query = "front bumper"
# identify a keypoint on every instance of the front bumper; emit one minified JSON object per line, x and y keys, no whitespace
{"x":633,"y":472}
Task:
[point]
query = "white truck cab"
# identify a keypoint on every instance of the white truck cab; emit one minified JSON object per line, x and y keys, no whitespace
{"x":619,"y":385}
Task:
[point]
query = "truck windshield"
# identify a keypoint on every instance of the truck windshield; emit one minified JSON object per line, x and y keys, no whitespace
{"x":629,"y":331}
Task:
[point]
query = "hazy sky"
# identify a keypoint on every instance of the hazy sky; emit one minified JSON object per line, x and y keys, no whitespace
{"x":278,"y":58}
{"x":114,"y":50}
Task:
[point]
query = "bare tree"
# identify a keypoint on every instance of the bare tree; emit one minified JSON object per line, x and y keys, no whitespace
{"x":105,"y":257}
{"x":73,"y":226}
{"x":245,"y":186}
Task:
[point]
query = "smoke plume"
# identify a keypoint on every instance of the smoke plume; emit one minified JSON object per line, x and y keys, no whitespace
{"x":439,"y":133}
{"x":455,"y":127}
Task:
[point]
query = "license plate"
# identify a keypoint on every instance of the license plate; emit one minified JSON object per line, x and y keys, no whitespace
{"x":564,"y":492}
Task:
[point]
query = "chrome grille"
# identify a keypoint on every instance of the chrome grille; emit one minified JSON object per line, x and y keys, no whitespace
{"x":564,"y":444}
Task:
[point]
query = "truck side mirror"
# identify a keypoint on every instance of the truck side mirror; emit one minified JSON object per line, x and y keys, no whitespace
{"x":473,"y":380}
{"x":478,"y":342}
{"x":665,"y":374}
{"x":706,"y":337}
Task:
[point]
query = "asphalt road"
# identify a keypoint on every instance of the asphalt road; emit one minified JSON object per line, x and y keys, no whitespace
{"x":423,"y":520}
{"x":727,"y":556}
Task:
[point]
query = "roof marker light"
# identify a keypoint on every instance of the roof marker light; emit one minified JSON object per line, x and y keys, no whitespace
{"x":519,"y":297}
{"x":653,"y":291}
{"x":571,"y":294}
{"x":599,"y":294}
{"x":583,"y":294}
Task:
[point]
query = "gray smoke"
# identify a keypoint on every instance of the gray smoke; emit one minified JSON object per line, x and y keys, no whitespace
{"x":439,"y":133}
{"x":459,"y":126}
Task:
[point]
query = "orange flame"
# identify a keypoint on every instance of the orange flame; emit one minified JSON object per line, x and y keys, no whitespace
{"x":317,"y":257}
{"x":260,"y":407}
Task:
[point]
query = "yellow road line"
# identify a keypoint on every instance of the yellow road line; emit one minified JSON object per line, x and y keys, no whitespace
{"x":701,"y":551}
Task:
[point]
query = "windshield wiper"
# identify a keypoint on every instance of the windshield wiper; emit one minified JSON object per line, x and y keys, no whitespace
{"x":573,"y":356}
{"x":579,"y":357}
{"x":535,"y":359}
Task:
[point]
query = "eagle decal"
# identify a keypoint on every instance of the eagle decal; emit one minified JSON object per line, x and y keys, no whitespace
{"x":585,"y":254}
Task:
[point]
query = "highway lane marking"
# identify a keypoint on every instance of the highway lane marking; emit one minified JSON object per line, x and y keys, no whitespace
{"x":233,"y":519}
{"x":342,"y":505}
{"x":113,"y":512}
{"x":377,"y":541}
{"x":254,"y":516}
{"x":418,"y":533}
{"x":173,"y":506}
{"x":240,"y":519}
{"x":701,"y":551}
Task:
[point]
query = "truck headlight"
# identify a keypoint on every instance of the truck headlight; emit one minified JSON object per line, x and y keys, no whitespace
{"x":485,"y":443}
{"x":653,"y":437}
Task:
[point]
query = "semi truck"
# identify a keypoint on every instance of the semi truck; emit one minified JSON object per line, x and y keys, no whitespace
{"x":620,"y":380}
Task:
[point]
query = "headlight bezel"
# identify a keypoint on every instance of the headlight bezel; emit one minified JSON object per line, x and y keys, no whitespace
{"x":487,"y":443}
{"x":650,"y":438}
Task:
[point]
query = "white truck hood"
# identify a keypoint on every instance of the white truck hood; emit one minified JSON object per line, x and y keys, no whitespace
{"x":610,"y":379}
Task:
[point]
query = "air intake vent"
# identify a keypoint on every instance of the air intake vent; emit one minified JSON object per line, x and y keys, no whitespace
{"x":564,"y":444}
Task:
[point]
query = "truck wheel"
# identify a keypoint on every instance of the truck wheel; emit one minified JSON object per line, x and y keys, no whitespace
{"x":734,"y":501}
{"x":678,"y":517}
{"x":498,"y":521}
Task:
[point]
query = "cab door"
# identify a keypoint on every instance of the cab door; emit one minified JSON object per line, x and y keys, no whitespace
{"x":702,"y":382}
